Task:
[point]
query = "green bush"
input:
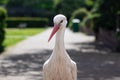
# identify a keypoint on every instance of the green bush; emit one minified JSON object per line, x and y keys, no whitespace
{"x":29,"y":22}
{"x":3,"y":15}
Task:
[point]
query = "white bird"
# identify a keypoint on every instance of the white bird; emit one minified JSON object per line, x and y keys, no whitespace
{"x":59,"y":66}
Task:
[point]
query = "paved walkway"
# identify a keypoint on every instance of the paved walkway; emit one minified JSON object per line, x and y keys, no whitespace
{"x":24,"y":61}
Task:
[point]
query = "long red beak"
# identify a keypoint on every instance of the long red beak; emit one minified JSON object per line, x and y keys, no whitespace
{"x":55,"y":29}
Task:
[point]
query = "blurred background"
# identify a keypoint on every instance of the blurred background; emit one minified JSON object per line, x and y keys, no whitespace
{"x":98,"y":17}
{"x":92,"y":37}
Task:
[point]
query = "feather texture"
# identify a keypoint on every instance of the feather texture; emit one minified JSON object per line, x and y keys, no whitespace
{"x":60,"y":66}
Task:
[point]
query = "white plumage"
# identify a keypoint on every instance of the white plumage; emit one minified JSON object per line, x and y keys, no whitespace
{"x":59,"y":66}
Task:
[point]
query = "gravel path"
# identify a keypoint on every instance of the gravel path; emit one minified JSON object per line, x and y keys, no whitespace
{"x":24,"y":61}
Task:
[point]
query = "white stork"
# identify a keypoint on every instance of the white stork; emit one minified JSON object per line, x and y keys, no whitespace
{"x":59,"y":66}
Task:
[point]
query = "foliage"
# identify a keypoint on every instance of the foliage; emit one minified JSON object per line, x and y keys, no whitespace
{"x":15,"y":35}
{"x":85,"y":15}
{"x":31,"y":8}
{"x":118,"y":12}
{"x":108,"y":10}
{"x":56,"y":2}
{"x":66,"y":7}
{"x":80,"y":14}
{"x":108,"y":20}
{"x":89,"y":2}
{"x":26,"y":22}
{"x":3,"y":15}
{"x":41,"y":4}
{"x":3,"y":2}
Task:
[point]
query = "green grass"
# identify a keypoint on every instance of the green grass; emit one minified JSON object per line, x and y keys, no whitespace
{"x":15,"y":35}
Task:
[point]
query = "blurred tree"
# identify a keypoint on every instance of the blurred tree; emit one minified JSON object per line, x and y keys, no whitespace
{"x":44,"y":4}
{"x":33,"y":8}
{"x":14,"y":3}
{"x":3,"y":2}
{"x":108,"y":10}
{"x":87,"y":13}
{"x":56,"y":2}
{"x":68,"y":6}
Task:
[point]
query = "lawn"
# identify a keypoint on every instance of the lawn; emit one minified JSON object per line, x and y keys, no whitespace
{"x":15,"y":35}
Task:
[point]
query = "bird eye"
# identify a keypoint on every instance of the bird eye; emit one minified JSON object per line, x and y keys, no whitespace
{"x":61,"y":21}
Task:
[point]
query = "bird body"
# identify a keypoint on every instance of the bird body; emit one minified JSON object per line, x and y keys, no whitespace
{"x":60,"y":66}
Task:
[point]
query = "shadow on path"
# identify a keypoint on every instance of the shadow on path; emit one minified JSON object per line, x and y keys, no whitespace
{"x":96,"y":62}
{"x":93,"y":60}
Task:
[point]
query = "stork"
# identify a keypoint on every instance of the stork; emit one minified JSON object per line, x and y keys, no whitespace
{"x":59,"y":66}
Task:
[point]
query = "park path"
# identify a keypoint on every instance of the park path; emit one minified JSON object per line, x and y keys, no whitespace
{"x":24,"y":61}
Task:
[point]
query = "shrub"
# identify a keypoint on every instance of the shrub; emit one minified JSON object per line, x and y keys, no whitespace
{"x":14,"y":22}
{"x":3,"y":15}
{"x":86,"y":17}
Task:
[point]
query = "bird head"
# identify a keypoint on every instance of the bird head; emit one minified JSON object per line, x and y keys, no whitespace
{"x":60,"y":22}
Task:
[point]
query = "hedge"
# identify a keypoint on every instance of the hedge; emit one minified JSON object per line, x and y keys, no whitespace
{"x":29,"y":22}
{"x":3,"y":15}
